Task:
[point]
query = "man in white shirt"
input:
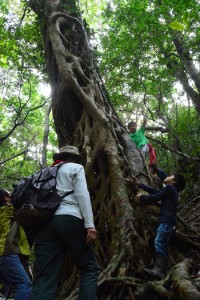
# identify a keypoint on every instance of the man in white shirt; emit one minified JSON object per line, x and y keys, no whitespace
{"x":71,"y":228}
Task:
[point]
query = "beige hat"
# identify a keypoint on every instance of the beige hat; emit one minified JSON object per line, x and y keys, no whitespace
{"x":67,"y":149}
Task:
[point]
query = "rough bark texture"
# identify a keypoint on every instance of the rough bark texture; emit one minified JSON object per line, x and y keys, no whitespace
{"x":84,"y":117}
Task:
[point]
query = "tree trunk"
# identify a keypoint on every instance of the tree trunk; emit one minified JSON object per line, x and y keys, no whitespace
{"x":84,"y":117}
{"x":46,"y":136}
{"x":186,"y":71}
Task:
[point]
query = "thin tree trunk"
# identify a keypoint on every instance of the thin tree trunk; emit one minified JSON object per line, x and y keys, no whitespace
{"x":46,"y":136}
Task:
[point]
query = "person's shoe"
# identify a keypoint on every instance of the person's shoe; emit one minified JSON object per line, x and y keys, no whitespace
{"x":160,"y":268}
{"x":154,"y":272}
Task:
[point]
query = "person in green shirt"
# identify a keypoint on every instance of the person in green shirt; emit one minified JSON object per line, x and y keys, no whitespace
{"x":138,"y":136}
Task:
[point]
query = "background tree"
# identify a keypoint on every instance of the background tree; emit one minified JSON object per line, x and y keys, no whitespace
{"x":22,"y":103}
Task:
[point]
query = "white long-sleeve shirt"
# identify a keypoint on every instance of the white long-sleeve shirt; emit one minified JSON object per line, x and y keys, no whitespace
{"x":70,"y":177}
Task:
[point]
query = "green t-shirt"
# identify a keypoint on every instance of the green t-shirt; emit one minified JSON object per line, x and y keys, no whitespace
{"x":139,"y":137}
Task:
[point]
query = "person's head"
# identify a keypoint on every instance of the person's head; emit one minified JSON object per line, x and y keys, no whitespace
{"x":4,"y":197}
{"x":132,"y":126}
{"x":68,"y":154}
{"x":177,"y":180}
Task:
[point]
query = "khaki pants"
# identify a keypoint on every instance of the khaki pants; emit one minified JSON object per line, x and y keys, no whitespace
{"x":145,"y":149}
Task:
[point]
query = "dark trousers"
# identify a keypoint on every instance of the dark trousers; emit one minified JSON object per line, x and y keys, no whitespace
{"x":62,"y":233}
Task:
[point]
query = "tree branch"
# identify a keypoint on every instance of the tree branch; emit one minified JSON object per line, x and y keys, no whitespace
{"x":173,"y":150}
{"x":13,"y":156}
{"x":156,"y":128}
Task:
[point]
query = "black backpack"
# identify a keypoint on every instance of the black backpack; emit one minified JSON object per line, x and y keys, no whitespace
{"x":35,"y":198}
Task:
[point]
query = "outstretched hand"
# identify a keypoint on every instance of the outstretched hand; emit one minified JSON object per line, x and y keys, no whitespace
{"x":91,"y":235}
{"x":137,"y":197}
{"x":134,"y":181}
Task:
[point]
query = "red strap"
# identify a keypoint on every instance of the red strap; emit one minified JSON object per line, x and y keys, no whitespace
{"x":57,"y":162}
{"x":152,"y":154}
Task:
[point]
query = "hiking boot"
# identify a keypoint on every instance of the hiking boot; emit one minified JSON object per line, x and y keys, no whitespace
{"x":160,"y":268}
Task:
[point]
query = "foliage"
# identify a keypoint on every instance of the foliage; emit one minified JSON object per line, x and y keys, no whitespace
{"x":138,"y":46}
{"x":23,"y":108}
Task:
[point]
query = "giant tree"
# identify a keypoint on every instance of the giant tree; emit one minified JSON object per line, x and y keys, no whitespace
{"x":84,"y":117}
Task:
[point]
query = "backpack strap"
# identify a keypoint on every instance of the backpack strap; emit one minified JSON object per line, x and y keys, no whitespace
{"x":51,"y":177}
{"x":67,"y":194}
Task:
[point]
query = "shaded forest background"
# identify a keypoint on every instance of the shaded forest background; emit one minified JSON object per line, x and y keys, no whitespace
{"x":147,"y":57}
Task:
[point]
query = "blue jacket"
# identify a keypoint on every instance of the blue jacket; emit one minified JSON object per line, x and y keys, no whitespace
{"x":169,"y":201}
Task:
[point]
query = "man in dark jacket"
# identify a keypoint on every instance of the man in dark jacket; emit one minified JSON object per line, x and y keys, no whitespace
{"x":167,"y":218}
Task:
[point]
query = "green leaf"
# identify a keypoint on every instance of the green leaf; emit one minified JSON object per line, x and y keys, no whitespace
{"x":177,"y":26}
{"x":185,"y":19}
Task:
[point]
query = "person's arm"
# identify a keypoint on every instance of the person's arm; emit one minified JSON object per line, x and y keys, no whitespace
{"x":161,"y":174}
{"x":137,"y":184}
{"x":148,"y":189}
{"x":82,"y":195}
{"x":142,"y":127}
{"x":154,"y":198}
{"x":144,"y":119}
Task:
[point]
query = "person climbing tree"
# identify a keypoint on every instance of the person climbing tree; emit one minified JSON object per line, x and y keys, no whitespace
{"x":167,"y":218}
{"x":139,"y":138}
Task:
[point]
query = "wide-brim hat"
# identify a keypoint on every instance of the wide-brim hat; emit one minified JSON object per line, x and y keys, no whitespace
{"x":67,"y":149}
